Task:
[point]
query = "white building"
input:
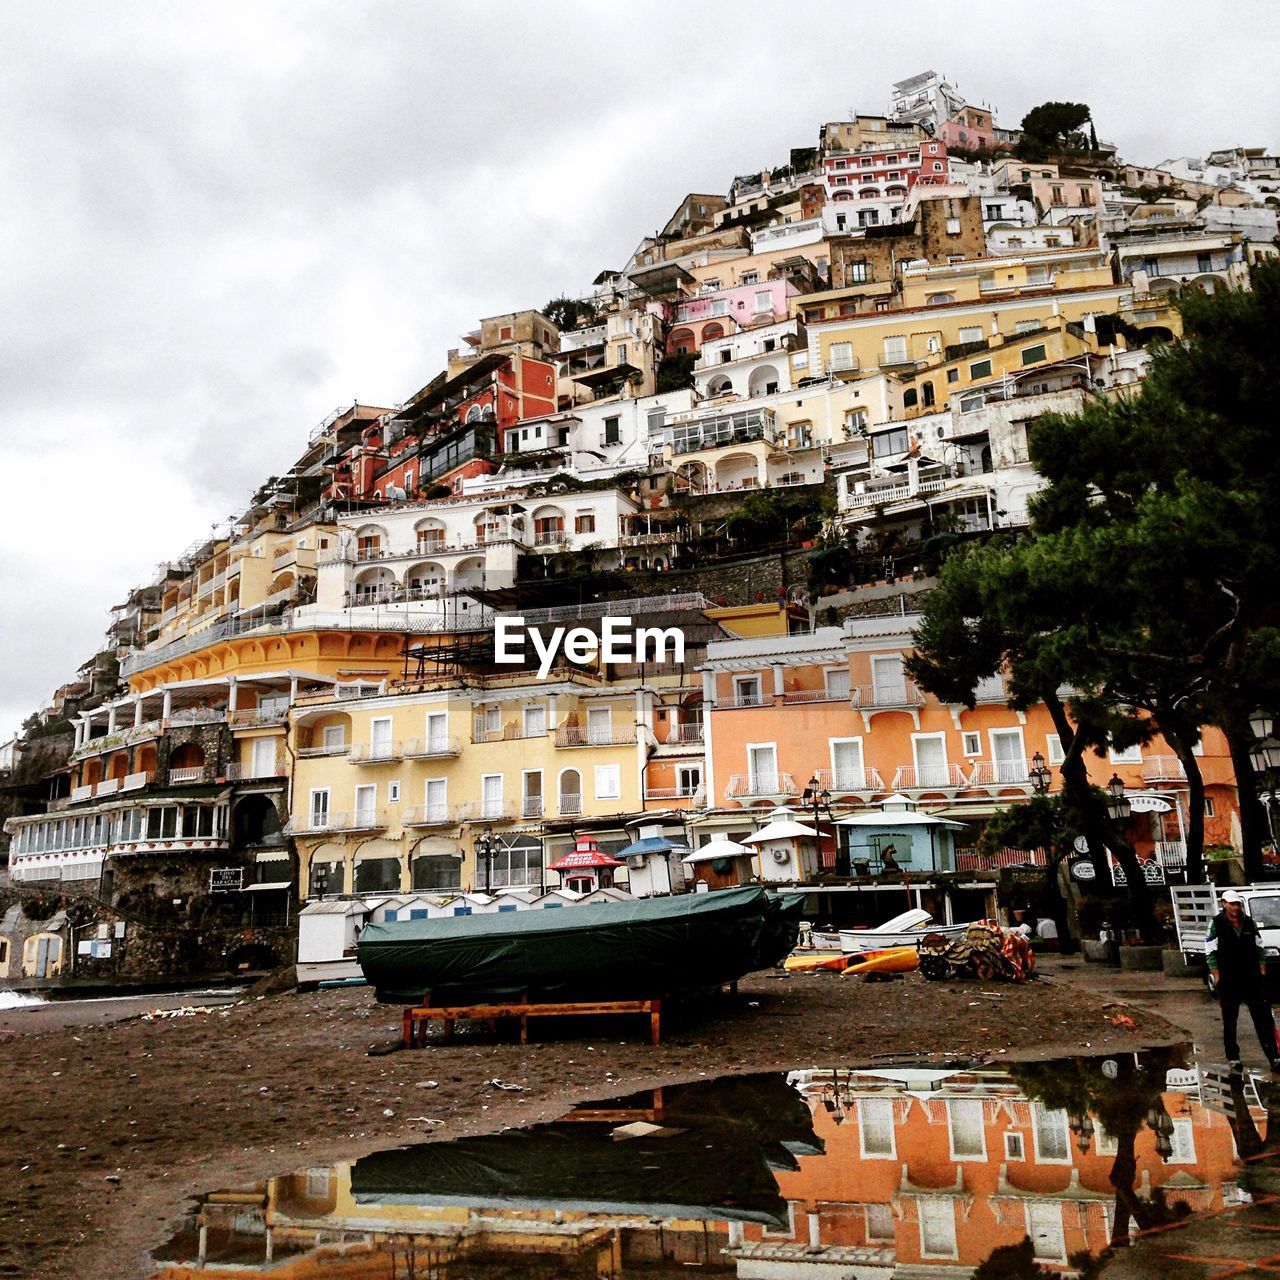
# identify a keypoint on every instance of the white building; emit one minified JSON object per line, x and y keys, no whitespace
{"x":748,"y":363}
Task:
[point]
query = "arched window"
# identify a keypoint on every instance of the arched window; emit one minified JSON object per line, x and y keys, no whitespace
{"x":909,"y":398}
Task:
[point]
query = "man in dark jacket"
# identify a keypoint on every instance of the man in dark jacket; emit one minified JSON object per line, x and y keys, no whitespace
{"x":1233,"y":951}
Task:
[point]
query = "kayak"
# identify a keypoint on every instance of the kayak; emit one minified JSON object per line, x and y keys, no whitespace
{"x":892,"y":960}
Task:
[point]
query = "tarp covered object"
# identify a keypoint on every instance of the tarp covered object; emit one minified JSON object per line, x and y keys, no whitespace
{"x":612,"y":951}
{"x":719,"y":1166}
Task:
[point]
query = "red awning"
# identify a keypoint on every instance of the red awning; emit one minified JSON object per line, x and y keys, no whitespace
{"x":580,"y":858}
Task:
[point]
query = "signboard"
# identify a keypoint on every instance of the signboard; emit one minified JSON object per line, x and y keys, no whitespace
{"x":1083,"y":870}
{"x":226,"y":879}
{"x":1140,"y":803}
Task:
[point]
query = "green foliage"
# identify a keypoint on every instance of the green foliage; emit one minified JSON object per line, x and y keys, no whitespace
{"x":676,"y":372}
{"x":771,"y":515}
{"x":1056,"y":126}
{"x":1012,"y":1262}
{"x":569,"y":313}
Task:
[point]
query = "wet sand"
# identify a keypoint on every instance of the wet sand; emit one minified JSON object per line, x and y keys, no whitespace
{"x":56,"y":1014}
{"x":110,"y":1124}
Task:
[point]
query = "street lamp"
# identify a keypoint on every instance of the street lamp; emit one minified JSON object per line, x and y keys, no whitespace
{"x":321,"y":880}
{"x":1264,"y":756}
{"x":1040,"y":774}
{"x":817,"y":797}
{"x":486,"y":847}
{"x":1261,"y":722}
{"x":1118,"y":806}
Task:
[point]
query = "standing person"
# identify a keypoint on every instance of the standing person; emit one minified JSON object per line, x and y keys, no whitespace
{"x":1233,"y":951}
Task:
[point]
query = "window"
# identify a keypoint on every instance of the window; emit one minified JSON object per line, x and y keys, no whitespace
{"x":971,"y":333}
{"x":746,"y":691}
{"x":1130,"y":755}
{"x":875,"y":1128}
{"x":599,"y":726}
{"x":584,"y":522}
{"x":953,"y":375}
{"x":608,"y":782}
{"x":437,"y":732}
{"x":764,"y":301}
{"x":762,"y":768}
{"x":366,"y":803}
{"x":846,"y":764}
{"x":491,"y":795}
{"x":1026,"y":326}
{"x":1052,"y":1138}
{"x":841,"y":355}
{"x":393,"y":792}
{"x":1208,"y":807}
{"x":953,"y":226}
{"x":750,"y":277}
{"x":965,"y":1123}
{"x":612,"y":430}
{"x":436,"y":796}
{"x":725,"y":354}
{"x":879,"y":1219}
{"x":971,"y":743}
{"x":1014,"y":1147}
{"x":980,"y":369}
{"x":319,"y":808}
{"x":535,"y":721}
{"x":1006,"y":755}
{"x":622,"y":353}
{"x":837,"y":683}
{"x":1053,"y":748}
{"x":1184,"y":1142}
{"x":888,"y":681}
{"x":1204,"y":262}
{"x":895,"y":349}
{"x":931,"y":760}
{"x":380,"y":738}
{"x":1044,"y":1226}
{"x":885,"y":444}
{"x":518,"y":862}
{"x":937,"y":1227}
{"x":1033,"y":355}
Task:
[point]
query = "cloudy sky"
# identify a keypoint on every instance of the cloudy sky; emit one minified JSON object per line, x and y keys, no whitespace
{"x":221,"y":221}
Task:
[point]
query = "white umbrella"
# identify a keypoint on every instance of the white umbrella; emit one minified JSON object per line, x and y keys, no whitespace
{"x":719,"y":847}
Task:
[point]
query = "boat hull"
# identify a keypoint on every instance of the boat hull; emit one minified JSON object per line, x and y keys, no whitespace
{"x":853,"y":941}
{"x":619,"y":950}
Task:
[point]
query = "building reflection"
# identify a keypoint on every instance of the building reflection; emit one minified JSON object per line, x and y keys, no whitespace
{"x":824,"y":1174}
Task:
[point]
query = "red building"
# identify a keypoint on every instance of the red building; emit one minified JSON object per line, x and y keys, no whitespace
{"x":885,"y":173}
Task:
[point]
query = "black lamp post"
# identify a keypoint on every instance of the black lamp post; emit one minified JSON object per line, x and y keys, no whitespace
{"x":486,"y":847}
{"x":818,"y":798}
{"x":1040,"y":774}
{"x":1264,"y":756}
{"x":1118,"y":806}
{"x":321,"y":880}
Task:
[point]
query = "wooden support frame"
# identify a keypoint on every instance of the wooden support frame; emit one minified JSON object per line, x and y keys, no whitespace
{"x":417,"y":1017}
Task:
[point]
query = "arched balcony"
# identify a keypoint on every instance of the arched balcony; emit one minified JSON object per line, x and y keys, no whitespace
{"x":430,"y":534}
{"x":548,"y":526}
{"x":764,"y":380}
{"x":691,"y":477}
{"x":738,"y":471}
{"x":424,"y":581}
{"x":373,"y":586}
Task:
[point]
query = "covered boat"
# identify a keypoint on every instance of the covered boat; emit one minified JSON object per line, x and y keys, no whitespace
{"x":618,"y":950}
{"x":906,"y":930}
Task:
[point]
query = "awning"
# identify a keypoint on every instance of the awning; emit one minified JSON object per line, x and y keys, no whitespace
{"x":276,"y":884}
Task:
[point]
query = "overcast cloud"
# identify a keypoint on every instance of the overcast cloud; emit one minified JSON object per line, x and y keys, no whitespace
{"x":223,"y":221}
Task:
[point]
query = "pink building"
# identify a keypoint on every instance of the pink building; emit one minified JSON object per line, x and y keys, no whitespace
{"x":710,"y":316}
{"x":885,"y":173}
{"x":971,"y":129}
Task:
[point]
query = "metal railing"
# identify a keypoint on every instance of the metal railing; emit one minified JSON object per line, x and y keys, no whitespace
{"x":198,"y":715}
{"x":531,"y":807}
{"x":685,"y":734}
{"x":888,"y":696}
{"x":579,"y":736}
{"x":1162,"y":769}
{"x":486,"y":811}
{"x":972,"y":860}
{"x":816,"y":695}
{"x":570,"y":804}
{"x":697,"y":795}
{"x":990,"y":773}
{"x":191,"y":773}
{"x":431,"y":748}
{"x":752,"y":785}
{"x":931,"y":777}
{"x":839,"y":780}
{"x":428,"y":815}
{"x":258,"y":717}
{"x":375,"y":752}
{"x":343,"y":820}
{"x":308,"y":753}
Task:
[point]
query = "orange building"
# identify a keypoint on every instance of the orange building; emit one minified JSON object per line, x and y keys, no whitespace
{"x":834,"y":711}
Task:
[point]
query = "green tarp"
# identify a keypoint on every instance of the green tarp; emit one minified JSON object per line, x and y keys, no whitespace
{"x":611,"y":951}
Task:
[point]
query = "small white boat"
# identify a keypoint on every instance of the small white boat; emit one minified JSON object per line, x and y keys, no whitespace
{"x":902,"y":931}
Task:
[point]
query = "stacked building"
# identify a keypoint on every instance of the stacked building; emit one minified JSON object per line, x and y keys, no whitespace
{"x":308,"y":701}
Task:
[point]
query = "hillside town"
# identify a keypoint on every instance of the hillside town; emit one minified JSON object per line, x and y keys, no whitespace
{"x":763,"y":431}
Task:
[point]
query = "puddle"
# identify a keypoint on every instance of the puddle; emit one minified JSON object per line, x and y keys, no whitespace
{"x":1095,"y":1166}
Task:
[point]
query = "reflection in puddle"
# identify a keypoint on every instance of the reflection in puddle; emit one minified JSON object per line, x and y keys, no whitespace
{"x":823,"y":1174}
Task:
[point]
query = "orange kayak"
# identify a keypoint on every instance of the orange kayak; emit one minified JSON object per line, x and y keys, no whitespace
{"x":889,"y":960}
{"x":818,"y":961}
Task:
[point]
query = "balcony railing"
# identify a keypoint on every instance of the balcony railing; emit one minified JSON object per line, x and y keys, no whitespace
{"x":972,"y":860}
{"x":570,"y":804}
{"x":685,"y":734}
{"x":991,"y":689}
{"x":750,"y":786}
{"x":816,"y":695}
{"x":757,"y":699}
{"x":343,"y":820}
{"x":107,"y":787}
{"x":888,"y":696}
{"x":337,"y":749}
{"x":1172,"y":854}
{"x":428,"y":815}
{"x":578,"y":736}
{"x":697,"y":795}
{"x":531,"y":807}
{"x":844,"y":780}
{"x":258,"y":717}
{"x":486,"y":811}
{"x":375,"y":752}
{"x":248,"y":772}
{"x":508,"y":733}
{"x":431,"y":748}
{"x":999,"y":773}
{"x":930,"y":777}
{"x":191,"y":773}
{"x":1162,"y":769}
{"x":198,"y":715}
{"x":136,"y":781}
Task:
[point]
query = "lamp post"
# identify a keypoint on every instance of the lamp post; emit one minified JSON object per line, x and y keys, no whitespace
{"x":818,"y":798}
{"x":1040,"y":775}
{"x":486,"y":847}
{"x":321,"y":880}
{"x":1118,"y":806}
{"x":1264,"y":756}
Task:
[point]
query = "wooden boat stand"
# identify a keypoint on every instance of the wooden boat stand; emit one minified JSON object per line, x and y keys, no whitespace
{"x":417,"y":1018}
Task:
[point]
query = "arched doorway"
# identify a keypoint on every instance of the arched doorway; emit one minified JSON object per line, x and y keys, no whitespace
{"x":570,"y":793}
{"x":256,"y":821}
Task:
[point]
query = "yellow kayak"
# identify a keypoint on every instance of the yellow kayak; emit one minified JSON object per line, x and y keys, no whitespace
{"x":815,"y":961}
{"x":889,"y":960}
